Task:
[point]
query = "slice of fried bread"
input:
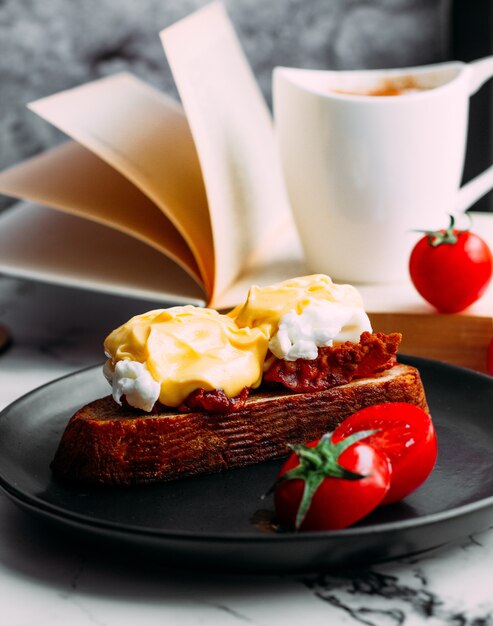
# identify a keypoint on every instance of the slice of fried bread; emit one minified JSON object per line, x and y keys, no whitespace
{"x":107,"y":444}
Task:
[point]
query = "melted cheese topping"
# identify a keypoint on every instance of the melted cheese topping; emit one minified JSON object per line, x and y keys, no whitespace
{"x":167,"y":354}
{"x":302,"y":313}
{"x":188,"y":348}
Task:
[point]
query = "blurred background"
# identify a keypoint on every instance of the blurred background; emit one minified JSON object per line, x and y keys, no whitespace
{"x":50,"y":45}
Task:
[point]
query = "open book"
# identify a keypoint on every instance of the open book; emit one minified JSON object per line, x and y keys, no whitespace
{"x":176,"y":203}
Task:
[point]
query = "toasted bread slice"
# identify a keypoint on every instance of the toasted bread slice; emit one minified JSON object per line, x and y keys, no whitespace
{"x":107,"y":444}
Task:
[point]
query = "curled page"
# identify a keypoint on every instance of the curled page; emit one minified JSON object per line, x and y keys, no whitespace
{"x":234,"y":137}
{"x":72,"y":179}
{"x":90,"y":255}
{"x":144,"y":136}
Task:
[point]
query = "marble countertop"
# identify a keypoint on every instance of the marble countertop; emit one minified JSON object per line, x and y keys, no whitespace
{"x":47,"y":580}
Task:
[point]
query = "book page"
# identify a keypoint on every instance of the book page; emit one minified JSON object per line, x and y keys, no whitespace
{"x":73,"y":179}
{"x":91,"y":258}
{"x":233,"y":133}
{"x":144,"y":135}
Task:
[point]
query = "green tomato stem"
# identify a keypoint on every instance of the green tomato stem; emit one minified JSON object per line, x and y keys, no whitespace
{"x":447,"y":236}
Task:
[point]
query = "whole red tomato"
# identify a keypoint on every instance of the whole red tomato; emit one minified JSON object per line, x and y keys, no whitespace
{"x":405,"y":433}
{"x":327,"y":486}
{"x":451,"y":268}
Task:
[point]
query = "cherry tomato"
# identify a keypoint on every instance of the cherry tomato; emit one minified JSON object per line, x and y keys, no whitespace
{"x":323,"y":486}
{"x":451,"y":268}
{"x":405,"y":433}
{"x":489,"y":358}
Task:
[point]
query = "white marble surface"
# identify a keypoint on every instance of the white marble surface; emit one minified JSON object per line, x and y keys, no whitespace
{"x":45,"y":580}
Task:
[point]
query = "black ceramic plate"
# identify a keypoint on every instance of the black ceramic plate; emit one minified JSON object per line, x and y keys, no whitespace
{"x":221,"y":522}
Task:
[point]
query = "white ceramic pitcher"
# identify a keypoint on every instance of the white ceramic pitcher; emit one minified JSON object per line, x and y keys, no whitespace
{"x":364,"y":171}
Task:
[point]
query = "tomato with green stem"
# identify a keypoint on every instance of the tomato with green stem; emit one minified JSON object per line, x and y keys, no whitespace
{"x":451,"y":268}
{"x":328,"y":486}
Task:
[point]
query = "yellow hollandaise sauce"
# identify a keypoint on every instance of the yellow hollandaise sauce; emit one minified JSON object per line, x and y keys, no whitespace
{"x":265,"y":306}
{"x":186,"y":348}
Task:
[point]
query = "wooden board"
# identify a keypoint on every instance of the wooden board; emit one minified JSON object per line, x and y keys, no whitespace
{"x":457,"y":339}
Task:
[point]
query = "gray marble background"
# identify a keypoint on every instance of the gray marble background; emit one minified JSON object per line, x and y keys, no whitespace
{"x":50,"y":45}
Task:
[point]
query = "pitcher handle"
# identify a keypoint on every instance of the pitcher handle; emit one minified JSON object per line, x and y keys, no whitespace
{"x":472,"y":191}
